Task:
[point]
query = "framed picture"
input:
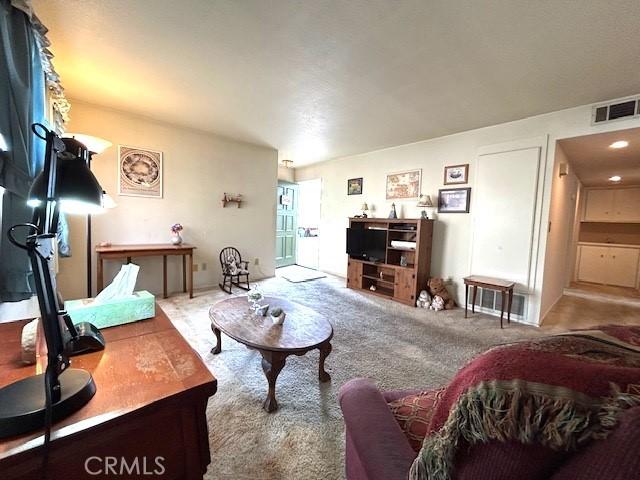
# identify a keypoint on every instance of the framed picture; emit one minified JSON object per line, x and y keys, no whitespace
{"x":456,"y":174}
{"x":404,"y":185}
{"x":139,"y":172}
{"x":454,"y":200}
{"x":354,"y":186}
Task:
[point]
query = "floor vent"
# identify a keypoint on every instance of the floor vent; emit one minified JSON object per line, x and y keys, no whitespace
{"x":490,"y":302}
{"x":619,"y":110}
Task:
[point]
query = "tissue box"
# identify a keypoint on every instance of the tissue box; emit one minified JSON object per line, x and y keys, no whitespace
{"x":139,"y":306}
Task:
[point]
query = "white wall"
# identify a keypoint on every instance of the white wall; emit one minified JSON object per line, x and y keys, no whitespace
{"x":562,"y":214}
{"x":452,"y":232}
{"x":198,"y":168}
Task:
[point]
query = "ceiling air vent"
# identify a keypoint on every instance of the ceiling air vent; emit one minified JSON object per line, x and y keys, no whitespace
{"x":619,"y":110}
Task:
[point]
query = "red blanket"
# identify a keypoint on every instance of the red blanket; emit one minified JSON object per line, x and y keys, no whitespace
{"x":560,"y":391}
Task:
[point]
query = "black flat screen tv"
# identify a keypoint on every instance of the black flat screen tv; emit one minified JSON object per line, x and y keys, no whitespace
{"x":367,"y":244}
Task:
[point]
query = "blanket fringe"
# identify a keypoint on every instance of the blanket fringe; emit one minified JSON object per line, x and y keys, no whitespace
{"x":519,"y":410}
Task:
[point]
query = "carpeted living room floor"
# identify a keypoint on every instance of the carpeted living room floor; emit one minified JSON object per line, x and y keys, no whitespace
{"x":395,"y":345}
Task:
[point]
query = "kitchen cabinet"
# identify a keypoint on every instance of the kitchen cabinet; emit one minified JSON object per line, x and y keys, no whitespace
{"x":609,"y":265}
{"x":612,"y":205}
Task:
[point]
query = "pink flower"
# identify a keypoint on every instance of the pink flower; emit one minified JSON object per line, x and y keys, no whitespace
{"x":176,"y":228}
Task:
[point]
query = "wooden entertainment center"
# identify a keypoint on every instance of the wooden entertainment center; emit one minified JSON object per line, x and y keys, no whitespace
{"x":389,"y":278}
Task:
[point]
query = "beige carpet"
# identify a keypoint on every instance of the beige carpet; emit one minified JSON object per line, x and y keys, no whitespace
{"x":395,"y":345}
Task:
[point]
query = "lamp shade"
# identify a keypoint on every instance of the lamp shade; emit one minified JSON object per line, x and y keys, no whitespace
{"x":77,"y":189}
{"x":364,"y":207}
{"x":93,"y":144}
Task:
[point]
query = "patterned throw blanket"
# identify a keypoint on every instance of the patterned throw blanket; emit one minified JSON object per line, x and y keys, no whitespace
{"x":560,"y":392}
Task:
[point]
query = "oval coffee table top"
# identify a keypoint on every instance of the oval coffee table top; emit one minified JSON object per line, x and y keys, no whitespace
{"x":303,"y":328}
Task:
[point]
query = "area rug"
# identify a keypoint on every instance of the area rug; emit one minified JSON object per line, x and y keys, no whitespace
{"x":297,"y":274}
{"x":395,"y":345}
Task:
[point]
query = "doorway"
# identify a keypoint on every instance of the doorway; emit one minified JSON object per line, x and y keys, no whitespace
{"x":286,"y":223}
{"x":593,"y":245}
{"x":308,"y":241}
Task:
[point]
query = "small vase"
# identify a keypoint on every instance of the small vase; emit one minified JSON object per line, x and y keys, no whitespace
{"x":176,"y":239}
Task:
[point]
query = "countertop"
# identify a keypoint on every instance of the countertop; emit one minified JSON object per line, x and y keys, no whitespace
{"x":598,"y":244}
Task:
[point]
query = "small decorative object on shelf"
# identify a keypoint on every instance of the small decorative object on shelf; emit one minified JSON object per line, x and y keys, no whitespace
{"x":393,"y":214}
{"x":254,"y":296}
{"x":365,"y":209}
{"x":403,"y":261}
{"x":373,"y":288}
{"x":278,"y":316}
{"x":231,"y":198}
{"x":176,"y":238}
{"x":425,"y":202}
{"x":381,"y":276}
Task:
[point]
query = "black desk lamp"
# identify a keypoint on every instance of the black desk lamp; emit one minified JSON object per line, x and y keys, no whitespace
{"x":66,"y":183}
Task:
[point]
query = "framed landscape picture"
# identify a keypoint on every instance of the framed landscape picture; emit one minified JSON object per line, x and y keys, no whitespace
{"x":456,"y":174}
{"x":454,"y":200}
{"x":139,"y":172}
{"x":354,"y":186}
{"x":404,"y":185}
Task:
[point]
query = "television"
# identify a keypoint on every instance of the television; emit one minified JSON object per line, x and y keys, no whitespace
{"x":367,"y":244}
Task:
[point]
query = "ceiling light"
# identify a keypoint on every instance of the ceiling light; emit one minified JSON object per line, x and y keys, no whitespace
{"x":287,"y":163}
{"x":619,"y":144}
{"x":615,"y":178}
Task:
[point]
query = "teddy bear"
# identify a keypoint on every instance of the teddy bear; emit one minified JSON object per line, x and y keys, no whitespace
{"x":424,"y":300}
{"x":436,"y":287}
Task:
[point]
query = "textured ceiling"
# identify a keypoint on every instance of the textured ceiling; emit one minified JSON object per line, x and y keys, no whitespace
{"x":321,"y":79}
{"x":594,"y":162}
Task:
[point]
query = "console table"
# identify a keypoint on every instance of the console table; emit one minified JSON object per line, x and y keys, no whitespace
{"x":489,"y":283}
{"x":152,"y":393}
{"x":112,"y":252}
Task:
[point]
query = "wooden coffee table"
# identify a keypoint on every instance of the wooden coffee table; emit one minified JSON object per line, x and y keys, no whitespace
{"x":303,"y":330}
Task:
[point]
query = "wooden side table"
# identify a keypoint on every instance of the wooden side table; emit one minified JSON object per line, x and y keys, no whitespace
{"x":113,"y":252}
{"x":490,"y":283}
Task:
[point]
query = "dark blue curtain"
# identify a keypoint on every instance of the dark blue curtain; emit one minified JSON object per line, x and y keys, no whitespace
{"x":22,"y":102}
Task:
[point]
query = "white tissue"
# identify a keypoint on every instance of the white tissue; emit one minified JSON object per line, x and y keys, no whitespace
{"x":122,"y":286}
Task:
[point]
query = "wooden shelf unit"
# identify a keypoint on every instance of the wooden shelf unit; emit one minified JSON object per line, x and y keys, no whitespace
{"x":393,"y":281}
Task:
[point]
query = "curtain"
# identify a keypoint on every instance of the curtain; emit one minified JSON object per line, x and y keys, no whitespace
{"x":22,"y":102}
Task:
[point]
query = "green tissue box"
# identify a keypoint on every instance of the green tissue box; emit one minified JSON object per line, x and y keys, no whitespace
{"x":139,"y":306}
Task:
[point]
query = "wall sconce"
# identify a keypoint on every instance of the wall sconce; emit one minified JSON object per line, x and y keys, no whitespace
{"x":563,"y":170}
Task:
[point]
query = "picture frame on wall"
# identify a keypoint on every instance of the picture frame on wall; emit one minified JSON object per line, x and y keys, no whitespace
{"x":404,"y":185}
{"x":139,"y":172}
{"x":456,"y":174}
{"x":354,"y":186}
{"x":454,"y":200}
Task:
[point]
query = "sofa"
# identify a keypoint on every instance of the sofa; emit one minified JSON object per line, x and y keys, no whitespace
{"x":591,"y":441}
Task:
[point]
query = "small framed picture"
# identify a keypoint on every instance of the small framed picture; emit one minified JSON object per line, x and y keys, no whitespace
{"x":456,"y":174}
{"x":139,"y":172}
{"x":454,"y":200}
{"x":354,"y":186}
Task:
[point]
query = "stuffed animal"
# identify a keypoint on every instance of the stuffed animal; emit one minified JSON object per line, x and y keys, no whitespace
{"x":437,"y":303}
{"x":436,"y":287}
{"x":424,"y":300}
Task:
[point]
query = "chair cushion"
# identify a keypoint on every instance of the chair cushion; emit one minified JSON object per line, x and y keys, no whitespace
{"x":413,"y":413}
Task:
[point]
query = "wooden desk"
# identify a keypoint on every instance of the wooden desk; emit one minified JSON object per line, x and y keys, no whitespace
{"x":490,"y":283}
{"x":152,"y":392}
{"x":148,"y":250}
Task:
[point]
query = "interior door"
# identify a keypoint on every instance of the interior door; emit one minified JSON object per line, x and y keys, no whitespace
{"x":506,"y":196}
{"x":286,"y":223}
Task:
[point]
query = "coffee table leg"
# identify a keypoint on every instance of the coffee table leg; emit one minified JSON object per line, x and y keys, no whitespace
{"x":272,"y":364}
{"x":218,"y":348}
{"x":325,"y":350}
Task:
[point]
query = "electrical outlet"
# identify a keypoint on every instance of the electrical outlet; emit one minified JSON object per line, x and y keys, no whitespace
{"x":204,"y":266}
{"x":256,"y":261}
{"x":195,"y":267}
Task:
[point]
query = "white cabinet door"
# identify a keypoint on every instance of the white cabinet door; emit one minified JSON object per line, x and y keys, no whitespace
{"x":626,"y":204}
{"x":593,"y":264}
{"x":622,"y":266}
{"x":599,"y":207}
